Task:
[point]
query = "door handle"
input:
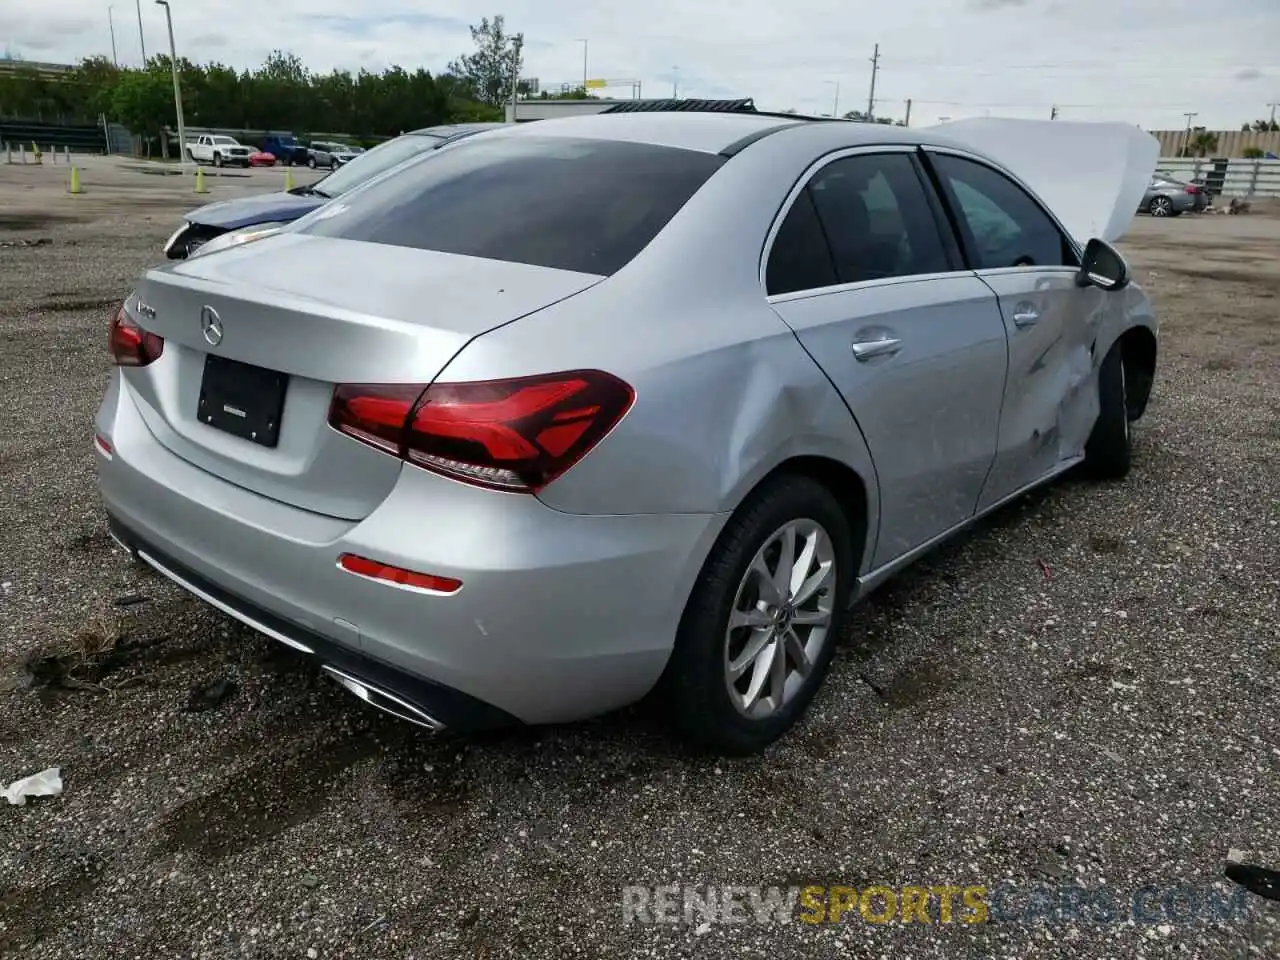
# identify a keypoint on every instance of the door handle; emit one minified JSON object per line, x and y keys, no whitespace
{"x":1026,"y":317}
{"x":867,"y":349}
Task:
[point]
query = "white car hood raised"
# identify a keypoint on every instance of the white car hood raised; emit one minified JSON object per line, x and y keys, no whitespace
{"x":1091,"y":175}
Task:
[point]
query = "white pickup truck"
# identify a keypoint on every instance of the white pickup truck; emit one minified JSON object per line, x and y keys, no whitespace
{"x":218,"y":150}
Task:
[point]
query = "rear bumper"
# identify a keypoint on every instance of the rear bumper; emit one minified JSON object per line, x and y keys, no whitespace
{"x":560,"y":616}
{"x":428,"y":704}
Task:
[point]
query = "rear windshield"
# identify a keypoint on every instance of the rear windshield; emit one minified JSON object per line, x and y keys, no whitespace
{"x":572,"y":204}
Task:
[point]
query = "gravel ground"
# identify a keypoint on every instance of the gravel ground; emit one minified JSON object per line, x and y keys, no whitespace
{"x":1081,"y":691}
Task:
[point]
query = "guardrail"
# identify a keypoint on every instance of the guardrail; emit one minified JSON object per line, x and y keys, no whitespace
{"x":1228,"y":178}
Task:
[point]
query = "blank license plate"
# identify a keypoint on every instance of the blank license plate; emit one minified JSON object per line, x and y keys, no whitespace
{"x":242,"y":399}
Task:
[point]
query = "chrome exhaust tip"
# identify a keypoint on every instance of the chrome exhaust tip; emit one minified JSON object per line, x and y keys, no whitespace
{"x":384,"y":701}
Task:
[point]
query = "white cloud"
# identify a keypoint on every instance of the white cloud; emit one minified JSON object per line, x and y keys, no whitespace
{"x":1135,"y":60}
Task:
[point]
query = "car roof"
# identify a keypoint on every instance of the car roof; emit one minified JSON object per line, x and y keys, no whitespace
{"x":711,"y":132}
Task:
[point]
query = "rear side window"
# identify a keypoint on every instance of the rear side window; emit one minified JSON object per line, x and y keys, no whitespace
{"x":877,"y":218}
{"x":1006,"y":227}
{"x":567,"y":203}
{"x":800,"y":258}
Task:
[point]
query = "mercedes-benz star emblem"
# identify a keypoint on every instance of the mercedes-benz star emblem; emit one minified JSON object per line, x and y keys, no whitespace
{"x":211,"y":325}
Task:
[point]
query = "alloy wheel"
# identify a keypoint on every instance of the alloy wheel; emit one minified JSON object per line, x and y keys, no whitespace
{"x":1161,"y":207}
{"x":780,"y":619}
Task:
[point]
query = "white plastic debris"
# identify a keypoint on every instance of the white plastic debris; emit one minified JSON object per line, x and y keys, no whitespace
{"x":1235,"y":856}
{"x":46,"y":783}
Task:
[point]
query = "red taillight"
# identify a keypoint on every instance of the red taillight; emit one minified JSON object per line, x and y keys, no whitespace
{"x":130,"y":345}
{"x":397,"y":576}
{"x":1192,"y":188}
{"x":515,"y":435}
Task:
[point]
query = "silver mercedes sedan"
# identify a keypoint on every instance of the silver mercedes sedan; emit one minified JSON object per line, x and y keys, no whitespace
{"x":585,"y":409}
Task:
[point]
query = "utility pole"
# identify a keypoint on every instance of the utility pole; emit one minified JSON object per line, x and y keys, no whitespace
{"x":142,"y":41}
{"x":516,"y":42}
{"x":675,"y":82}
{"x":177,"y":90}
{"x":871,"y":99}
{"x":835,"y":107}
{"x":584,"y":43}
{"x":1053,"y":114}
{"x":1273,"y":112}
{"x":1186,"y":146}
{"x":907,"y":121}
{"x":111,"y":22}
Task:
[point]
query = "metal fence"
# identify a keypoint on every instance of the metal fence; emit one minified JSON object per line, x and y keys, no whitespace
{"x":81,"y":138}
{"x":1229,"y":178}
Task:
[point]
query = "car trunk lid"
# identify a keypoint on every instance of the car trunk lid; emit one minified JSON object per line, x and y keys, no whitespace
{"x":315,"y":312}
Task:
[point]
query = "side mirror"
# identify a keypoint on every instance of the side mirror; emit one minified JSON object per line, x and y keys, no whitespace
{"x":1103,"y":266}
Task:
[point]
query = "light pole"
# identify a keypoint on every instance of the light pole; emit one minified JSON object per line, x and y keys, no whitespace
{"x":835,"y":107}
{"x":111,"y":22}
{"x":584,"y":43}
{"x":1186,"y":146}
{"x":142,"y":41}
{"x":675,"y":82}
{"x":177,"y":89}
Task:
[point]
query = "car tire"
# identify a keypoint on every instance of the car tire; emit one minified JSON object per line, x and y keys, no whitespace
{"x":217,"y":159}
{"x":1108,"y":451}
{"x":311,"y":162}
{"x":1160,"y":207}
{"x":709,"y":708}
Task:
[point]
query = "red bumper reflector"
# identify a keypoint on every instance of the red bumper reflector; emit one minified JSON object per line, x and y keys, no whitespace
{"x":397,"y":576}
{"x":102,"y":443}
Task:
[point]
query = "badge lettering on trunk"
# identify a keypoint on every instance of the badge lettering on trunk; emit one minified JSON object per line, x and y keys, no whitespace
{"x":211,"y":325}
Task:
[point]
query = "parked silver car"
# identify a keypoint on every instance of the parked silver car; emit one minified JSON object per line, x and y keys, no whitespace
{"x":1167,"y":197}
{"x":331,"y":155}
{"x":579,"y":409}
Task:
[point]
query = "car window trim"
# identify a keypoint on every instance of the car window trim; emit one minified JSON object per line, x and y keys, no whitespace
{"x":927,"y":151}
{"x":802,"y":183}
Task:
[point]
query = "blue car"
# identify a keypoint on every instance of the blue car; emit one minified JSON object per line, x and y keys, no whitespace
{"x":215,"y":219}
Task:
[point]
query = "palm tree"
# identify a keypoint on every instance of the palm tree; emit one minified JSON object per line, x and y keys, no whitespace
{"x":1204,"y":143}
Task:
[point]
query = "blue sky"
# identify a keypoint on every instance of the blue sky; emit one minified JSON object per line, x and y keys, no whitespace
{"x":1134,"y":60}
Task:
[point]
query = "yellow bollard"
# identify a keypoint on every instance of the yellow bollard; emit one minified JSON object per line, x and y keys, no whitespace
{"x":35,"y":152}
{"x":75,"y":180}
{"x":200,"y":187}
{"x":288,"y":179}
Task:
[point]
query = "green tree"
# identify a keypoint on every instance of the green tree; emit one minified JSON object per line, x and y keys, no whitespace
{"x":1204,"y":142}
{"x":489,"y":71}
{"x":94,"y":80}
{"x":859,"y":116}
{"x":143,"y":100}
{"x":282,"y":94}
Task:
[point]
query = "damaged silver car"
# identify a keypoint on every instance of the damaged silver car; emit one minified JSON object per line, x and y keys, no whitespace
{"x":588,"y":407}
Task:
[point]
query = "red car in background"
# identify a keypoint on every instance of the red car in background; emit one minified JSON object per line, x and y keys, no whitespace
{"x":260,"y":158}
